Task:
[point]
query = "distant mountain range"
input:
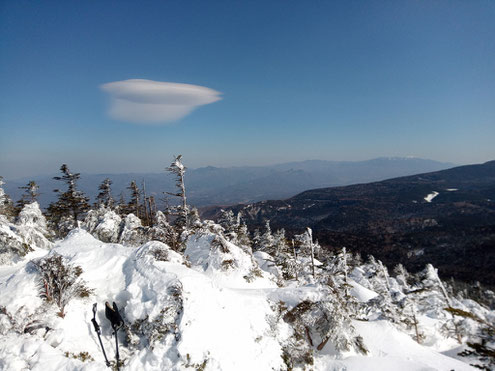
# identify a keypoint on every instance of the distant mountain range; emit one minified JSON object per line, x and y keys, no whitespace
{"x":227,"y":186}
{"x":444,"y":217}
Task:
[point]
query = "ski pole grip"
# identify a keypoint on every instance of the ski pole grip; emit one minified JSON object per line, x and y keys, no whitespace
{"x":95,"y":324}
{"x":93,"y":321}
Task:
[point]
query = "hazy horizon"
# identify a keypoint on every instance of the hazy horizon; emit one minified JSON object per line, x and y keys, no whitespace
{"x":56,"y":169}
{"x":112,"y":88}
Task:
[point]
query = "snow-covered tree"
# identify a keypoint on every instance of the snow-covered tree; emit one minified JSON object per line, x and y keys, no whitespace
{"x":338,"y":268}
{"x":228,"y":221}
{"x":6,"y":206}
{"x":325,"y":320}
{"x":71,"y":204}
{"x":32,"y":227}
{"x":256,"y":239}
{"x":30,"y":194}
{"x":12,"y":246}
{"x":243,"y":237}
{"x":267,"y":242}
{"x":402,"y":276}
{"x":162,"y":231}
{"x":307,"y":247}
{"x":104,"y":197}
{"x":178,"y":169}
{"x":134,"y":204}
{"x":193,"y":220}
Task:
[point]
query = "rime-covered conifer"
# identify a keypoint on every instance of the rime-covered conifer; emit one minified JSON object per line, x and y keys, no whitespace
{"x":30,"y":194}
{"x":105,"y":198}
{"x":6,"y":206}
{"x":307,"y":247}
{"x":181,"y":211}
{"x":71,"y":204}
{"x":267,"y":242}
{"x":243,"y":237}
{"x":134,"y":204}
{"x":338,"y":267}
{"x":256,"y":239}
{"x":230,"y":225}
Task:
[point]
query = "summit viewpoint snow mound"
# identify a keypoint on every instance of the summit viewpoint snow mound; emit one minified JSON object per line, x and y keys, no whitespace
{"x":213,"y":309}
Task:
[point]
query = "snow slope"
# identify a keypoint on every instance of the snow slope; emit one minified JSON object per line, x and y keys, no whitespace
{"x":202,"y":314}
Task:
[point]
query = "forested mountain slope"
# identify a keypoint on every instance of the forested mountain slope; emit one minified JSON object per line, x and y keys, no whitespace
{"x":445,"y":217}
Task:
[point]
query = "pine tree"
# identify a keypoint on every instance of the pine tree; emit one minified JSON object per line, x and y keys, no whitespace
{"x":72,"y":203}
{"x":105,"y":198}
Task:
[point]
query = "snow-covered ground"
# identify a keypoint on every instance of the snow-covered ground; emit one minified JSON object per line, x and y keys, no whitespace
{"x":431,"y":196}
{"x":216,"y":311}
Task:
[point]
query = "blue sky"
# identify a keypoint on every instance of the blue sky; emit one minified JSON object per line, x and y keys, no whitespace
{"x":332,"y":80}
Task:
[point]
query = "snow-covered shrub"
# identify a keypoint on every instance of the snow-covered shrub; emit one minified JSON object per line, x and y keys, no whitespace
{"x":59,"y":281}
{"x":217,"y":256}
{"x":481,"y":346}
{"x":146,"y":331}
{"x":149,"y":324}
{"x":132,"y":232}
{"x":160,"y":252}
{"x":103,"y":224}
{"x":318,"y":322}
{"x":162,"y":231}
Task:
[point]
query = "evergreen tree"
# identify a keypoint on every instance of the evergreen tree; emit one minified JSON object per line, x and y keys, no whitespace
{"x":280,"y":242}
{"x":30,"y":194}
{"x":134,"y":203}
{"x":122,"y":208}
{"x":256,"y":239}
{"x":338,"y":267}
{"x":230,"y":225}
{"x":267,"y":242}
{"x":105,"y":198}
{"x":307,"y":247}
{"x":2,"y":192}
{"x":181,"y":211}
{"x":71,"y":204}
{"x":6,"y":206}
{"x":193,"y":219}
{"x":403,"y":277}
{"x":243,"y":237}
{"x":284,"y":256}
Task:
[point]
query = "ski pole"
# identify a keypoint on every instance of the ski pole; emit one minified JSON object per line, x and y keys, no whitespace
{"x":98,"y":332}
{"x":117,"y":349}
{"x":115,"y":319}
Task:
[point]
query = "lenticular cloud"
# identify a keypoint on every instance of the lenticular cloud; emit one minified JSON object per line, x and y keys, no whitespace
{"x":155,"y":102}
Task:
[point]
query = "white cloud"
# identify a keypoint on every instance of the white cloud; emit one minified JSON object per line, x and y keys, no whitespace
{"x":155,"y":102}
